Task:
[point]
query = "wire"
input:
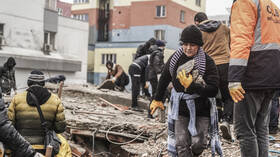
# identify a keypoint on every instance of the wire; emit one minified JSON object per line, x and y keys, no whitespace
{"x":117,"y":143}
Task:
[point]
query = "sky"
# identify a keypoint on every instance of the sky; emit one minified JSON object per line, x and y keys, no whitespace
{"x":213,"y":7}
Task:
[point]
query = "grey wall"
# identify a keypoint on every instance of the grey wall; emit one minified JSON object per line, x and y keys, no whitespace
{"x":143,"y":33}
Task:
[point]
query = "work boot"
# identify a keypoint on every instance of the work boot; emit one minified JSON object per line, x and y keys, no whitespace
{"x":225,"y":128}
{"x":136,"y":108}
{"x":273,"y":130}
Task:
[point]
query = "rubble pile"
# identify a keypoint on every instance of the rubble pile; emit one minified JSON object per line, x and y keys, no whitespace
{"x":105,"y":115}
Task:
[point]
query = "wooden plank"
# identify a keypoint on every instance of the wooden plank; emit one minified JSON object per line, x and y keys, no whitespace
{"x":96,"y":113}
{"x":113,"y":105}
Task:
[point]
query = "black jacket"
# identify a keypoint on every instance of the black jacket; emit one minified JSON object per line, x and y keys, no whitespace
{"x":202,"y":103}
{"x":11,"y":138}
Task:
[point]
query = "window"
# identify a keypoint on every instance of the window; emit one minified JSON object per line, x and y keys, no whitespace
{"x":83,"y":17}
{"x":182,"y":16}
{"x":161,"y":11}
{"x":109,"y":57}
{"x":80,"y":1}
{"x":160,"y":34}
{"x":60,"y":11}
{"x":198,"y":2}
{"x":49,"y":41}
{"x":51,"y":4}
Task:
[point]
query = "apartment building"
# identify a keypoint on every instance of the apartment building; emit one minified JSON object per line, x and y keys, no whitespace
{"x":118,"y":27}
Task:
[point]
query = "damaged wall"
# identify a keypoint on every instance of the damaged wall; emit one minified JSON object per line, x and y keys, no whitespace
{"x":24,"y":39}
{"x":23,"y":24}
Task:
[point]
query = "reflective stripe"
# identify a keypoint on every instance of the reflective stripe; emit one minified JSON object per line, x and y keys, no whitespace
{"x":258,"y":25}
{"x":261,"y":47}
{"x":235,"y":61}
{"x":137,"y":65}
{"x":256,"y":2}
{"x":136,"y":75}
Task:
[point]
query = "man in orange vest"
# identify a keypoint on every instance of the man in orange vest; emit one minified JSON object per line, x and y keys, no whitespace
{"x":254,"y":71}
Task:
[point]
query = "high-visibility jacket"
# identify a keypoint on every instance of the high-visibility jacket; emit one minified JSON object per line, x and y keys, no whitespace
{"x":255,"y":44}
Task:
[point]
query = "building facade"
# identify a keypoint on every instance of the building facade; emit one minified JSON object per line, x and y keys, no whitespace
{"x":118,"y":27}
{"x":34,"y":34}
{"x":64,"y":9}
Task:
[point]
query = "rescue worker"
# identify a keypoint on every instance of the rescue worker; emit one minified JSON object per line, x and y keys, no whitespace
{"x":137,"y":71}
{"x":7,"y":75}
{"x":144,"y":49}
{"x":24,"y":114}
{"x":11,"y":138}
{"x":116,"y":71}
{"x":188,"y":127}
{"x":151,"y":75}
{"x":215,"y":36}
{"x":254,"y":71}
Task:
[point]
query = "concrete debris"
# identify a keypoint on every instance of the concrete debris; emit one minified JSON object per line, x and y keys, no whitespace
{"x":118,"y":131}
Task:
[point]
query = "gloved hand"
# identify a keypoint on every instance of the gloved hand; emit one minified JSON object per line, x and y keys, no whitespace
{"x":156,"y":104}
{"x":185,"y":80}
{"x":113,"y":79}
{"x":39,"y":155}
{"x":146,"y":85}
{"x":236,"y":91}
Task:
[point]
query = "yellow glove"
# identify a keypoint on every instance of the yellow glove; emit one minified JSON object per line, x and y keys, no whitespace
{"x":156,"y":104}
{"x":236,"y":91}
{"x":185,"y":80}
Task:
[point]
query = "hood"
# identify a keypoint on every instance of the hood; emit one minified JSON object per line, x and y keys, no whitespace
{"x":10,"y":63}
{"x":209,"y":25}
{"x":41,"y":93}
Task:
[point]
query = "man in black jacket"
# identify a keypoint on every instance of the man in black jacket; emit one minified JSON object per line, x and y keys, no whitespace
{"x":138,"y":73}
{"x":194,"y":77}
{"x":11,"y":138}
{"x":145,"y":48}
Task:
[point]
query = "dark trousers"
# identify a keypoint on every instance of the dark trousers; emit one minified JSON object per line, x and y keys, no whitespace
{"x":186,"y":145}
{"x":274,"y":112}
{"x":135,"y":74}
{"x":122,"y":80}
{"x":226,"y":98}
{"x":251,"y":119}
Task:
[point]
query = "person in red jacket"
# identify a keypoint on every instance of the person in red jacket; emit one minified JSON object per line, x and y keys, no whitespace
{"x":254,"y":71}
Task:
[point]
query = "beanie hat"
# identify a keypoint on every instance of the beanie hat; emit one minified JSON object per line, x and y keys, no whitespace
{"x":36,"y":77}
{"x":199,"y":17}
{"x":160,"y":43}
{"x":192,"y":34}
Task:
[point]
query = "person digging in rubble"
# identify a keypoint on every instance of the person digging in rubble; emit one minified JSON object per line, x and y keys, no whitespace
{"x":215,"y":36}
{"x":119,"y":77}
{"x":24,"y":114}
{"x":151,"y":75}
{"x":137,"y":71}
{"x":7,"y":75}
{"x":145,"y":48}
{"x":194,"y":77}
{"x":254,"y":71}
{"x":11,"y":138}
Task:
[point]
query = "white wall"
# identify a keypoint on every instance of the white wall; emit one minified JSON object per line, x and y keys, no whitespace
{"x":23,"y":22}
{"x":72,"y":41}
{"x":24,"y":33}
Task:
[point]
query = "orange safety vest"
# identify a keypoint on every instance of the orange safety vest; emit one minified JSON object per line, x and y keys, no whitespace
{"x":255,"y":44}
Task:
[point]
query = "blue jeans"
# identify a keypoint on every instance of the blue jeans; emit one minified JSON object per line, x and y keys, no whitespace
{"x":274,"y":112}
